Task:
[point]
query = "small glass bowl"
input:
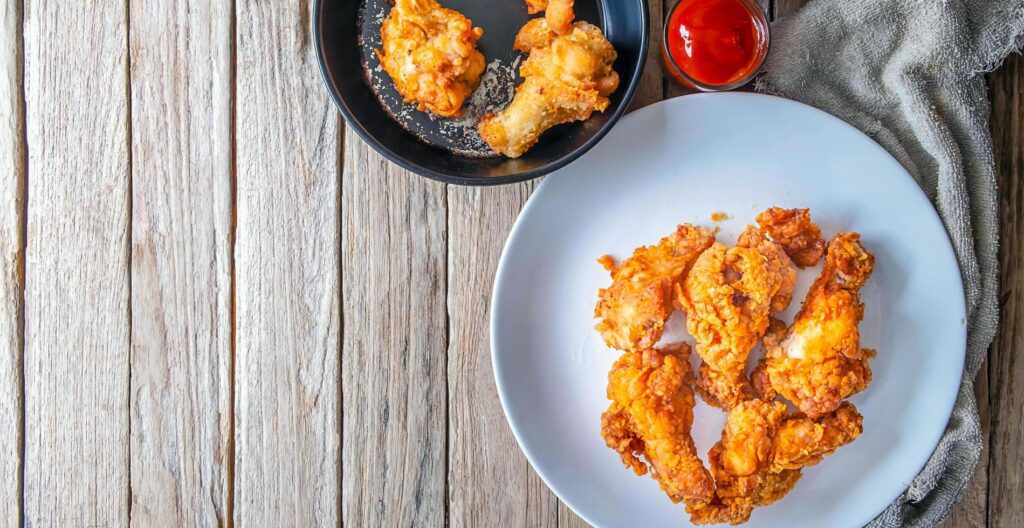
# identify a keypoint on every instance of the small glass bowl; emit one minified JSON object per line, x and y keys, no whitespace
{"x":681,"y":77}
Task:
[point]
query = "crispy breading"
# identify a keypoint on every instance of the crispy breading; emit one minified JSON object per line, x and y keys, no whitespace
{"x":818,"y":361}
{"x":649,"y":420}
{"x":430,"y":53}
{"x":565,"y":78}
{"x":794,"y":231}
{"x":558,"y":13}
{"x":632,"y":311}
{"x":760,"y":455}
{"x":729,"y":297}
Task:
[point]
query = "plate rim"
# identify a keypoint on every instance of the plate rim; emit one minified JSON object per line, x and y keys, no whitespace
{"x":693,"y":99}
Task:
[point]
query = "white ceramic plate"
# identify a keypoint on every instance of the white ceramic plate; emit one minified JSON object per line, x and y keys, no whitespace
{"x":679,"y":161}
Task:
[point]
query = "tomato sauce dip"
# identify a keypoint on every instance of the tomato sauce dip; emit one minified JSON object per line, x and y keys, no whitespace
{"x":715,"y":44}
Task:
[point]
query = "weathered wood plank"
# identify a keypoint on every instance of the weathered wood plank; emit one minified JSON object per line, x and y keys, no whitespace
{"x":393,"y":240}
{"x":181,"y":261}
{"x":287,"y":414}
{"x":651,"y":87}
{"x":77,"y":292}
{"x":1006,"y":444}
{"x":489,"y":480}
{"x":568,"y":518}
{"x":12,"y":198}
{"x":972,"y":510}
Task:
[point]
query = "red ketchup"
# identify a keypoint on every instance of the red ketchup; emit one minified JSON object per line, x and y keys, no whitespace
{"x":720,"y":44}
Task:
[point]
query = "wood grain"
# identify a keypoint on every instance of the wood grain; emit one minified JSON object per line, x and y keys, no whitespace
{"x":12,"y":198}
{"x":972,"y":512}
{"x":77,"y":286}
{"x":490,"y":481}
{"x":287,"y":413}
{"x":181,"y":261}
{"x":1006,"y":444}
{"x":651,"y":86}
{"x":395,"y":401}
{"x":568,"y":518}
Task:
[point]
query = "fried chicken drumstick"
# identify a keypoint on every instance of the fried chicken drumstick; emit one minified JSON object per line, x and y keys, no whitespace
{"x":760,"y":455}
{"x":818,"y":361}
{"x":430,"y":53}
{"x":632,"y":311}
{"x":648,"y":422}
{"x":565,"y":78}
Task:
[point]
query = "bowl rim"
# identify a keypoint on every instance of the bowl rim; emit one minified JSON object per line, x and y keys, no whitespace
{"x":360,"y":130}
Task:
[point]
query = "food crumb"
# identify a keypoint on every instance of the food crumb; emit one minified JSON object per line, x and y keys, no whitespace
{"x":719,"y":216}
{"x":608,"y":263}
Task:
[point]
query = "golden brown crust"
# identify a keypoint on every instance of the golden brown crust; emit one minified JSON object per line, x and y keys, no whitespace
{"x":632,"y":311}
{"x":794,"y":231}
{"x":565,"y":78}
{"x":430,"y":53}
{"x":760,"y":455}
{"x":819,"y":362}
{"x":729,"y":297}
{"x":650,"y":418}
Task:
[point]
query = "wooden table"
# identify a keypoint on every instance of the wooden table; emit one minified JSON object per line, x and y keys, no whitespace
{"x":218,"y":306}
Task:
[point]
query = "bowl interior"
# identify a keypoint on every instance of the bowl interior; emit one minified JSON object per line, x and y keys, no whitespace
{"x":346,"y":33}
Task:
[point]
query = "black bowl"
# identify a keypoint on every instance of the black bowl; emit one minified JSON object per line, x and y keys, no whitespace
{"x":346,"y":33}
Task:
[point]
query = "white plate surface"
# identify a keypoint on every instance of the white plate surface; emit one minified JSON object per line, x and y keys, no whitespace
{"x":680,"y":161}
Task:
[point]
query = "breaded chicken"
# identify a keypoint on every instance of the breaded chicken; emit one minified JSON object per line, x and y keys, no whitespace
{"x":760,"y":455}
{"x":793,"y":230}
{"x":430,"y":53}
{"x":558,"y":13}
{"x":818,"y":362}
{"x":632,"y":311}
{"x":729,"y":297}
{"x":648,"y":422}
{"x":565,"y":78}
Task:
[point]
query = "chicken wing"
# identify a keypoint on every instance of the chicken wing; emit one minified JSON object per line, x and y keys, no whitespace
{"x":632,"y":311}
{"x":729,"y":296}
{"x":430,"y":53}
{"x":818,"y":361}
{"x":648,"y":422}
{"x":793,"y":230}
{"x":563,"y":81}
{"x":559,"y":13}
{"x":760,"y":455}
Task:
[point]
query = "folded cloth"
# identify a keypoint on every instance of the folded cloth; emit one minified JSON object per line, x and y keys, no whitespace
{"x":909,"y":74}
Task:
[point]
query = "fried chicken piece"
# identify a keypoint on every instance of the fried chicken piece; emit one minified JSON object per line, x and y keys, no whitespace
{"x":818,"y":362}
{"x":760,"y":455}
{"x":535,"y":34}
{"x":729,"y":296}
{"x":794,"y":231}
{"x":802,"y":442}
{"x":632,"y":311}
{"x":558,"y":13}
{"x":563,"y":81}
{"x":759,"y":379}
{"x":649,"y":420}
{"x":430,"y":53}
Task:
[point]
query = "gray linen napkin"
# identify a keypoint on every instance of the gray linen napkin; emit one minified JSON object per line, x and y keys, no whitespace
{"x":909,"y":74}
